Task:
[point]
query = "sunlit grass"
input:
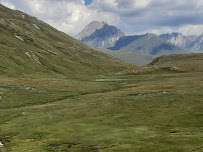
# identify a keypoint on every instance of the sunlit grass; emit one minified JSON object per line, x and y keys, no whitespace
{"x":151,"y":113}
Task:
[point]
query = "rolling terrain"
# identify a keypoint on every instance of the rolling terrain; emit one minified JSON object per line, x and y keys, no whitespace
{"x":134,"y":57}
{"x":58,"y":95}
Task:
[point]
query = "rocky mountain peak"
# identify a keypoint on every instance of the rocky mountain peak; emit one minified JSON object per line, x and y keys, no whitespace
{"x":99,"y":34}
{"x":90,"y":29}
{"x":149,"y":35}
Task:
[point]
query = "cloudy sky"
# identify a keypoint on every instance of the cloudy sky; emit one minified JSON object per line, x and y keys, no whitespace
{"x":132,"y":16}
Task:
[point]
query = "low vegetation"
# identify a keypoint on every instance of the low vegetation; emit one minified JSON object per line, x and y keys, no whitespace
{"x":58,"y":95}
{"x":145,"y":112}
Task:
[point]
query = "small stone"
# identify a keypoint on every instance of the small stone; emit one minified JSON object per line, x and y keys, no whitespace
{"x":1,"y":145}
{"x":124,"y":83}
{"x":1,"y":97}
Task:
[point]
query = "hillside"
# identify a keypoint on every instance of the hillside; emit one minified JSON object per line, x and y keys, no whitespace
{"x":180,"y":62}
{"x":99,"y":34}
{"x":134,"y":57}
{"x":31,"y":47}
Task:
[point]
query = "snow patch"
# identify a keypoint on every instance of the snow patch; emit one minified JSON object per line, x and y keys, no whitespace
{"x":2,"y":20}
{"x":23,"y":16}
{"x":12,"y":23}
{"x":36,"y":26}
{"x":36,"y":58}
{"x":33,"y":56}
{"x":19,"y":37}
{"x":28,"y":54}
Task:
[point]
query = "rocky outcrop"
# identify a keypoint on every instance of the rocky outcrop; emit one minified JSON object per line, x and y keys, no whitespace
{"x":193,"y":43}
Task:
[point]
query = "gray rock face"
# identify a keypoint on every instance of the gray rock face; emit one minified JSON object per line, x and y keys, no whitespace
{"x":178,"y":39}
{"x":99,"y":34}
{"x":191,"y":42}
{"x":149,"y":43}
{"x":197,"y":45}
{"x":90,"y":29}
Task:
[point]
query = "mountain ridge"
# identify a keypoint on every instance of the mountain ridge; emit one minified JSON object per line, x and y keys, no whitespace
{"x":174,"y":43}
{"x":99,"y":34}
{"x":149,"y":43}
{"x":190,"y":42}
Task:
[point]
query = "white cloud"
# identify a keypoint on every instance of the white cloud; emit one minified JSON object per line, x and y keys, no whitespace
{"x":132,"y":16}
{"x":7,"y":4}
{"x":191,"y":29}
{"x":69,"y":16}
{"x":142,"y":3}
{"x":157,"y":32}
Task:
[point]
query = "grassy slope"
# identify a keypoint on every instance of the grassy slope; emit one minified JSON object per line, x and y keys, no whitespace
{"x":52,"y":110}
{"x":181,"y":62}
{"x":151,"y":112}
{"x":58,"y":54}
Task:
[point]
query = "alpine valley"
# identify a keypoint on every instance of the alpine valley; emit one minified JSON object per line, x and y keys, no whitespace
{"x":60,"y":95}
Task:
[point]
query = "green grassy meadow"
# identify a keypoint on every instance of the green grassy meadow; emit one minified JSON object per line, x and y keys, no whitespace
{"x":151,"y":112}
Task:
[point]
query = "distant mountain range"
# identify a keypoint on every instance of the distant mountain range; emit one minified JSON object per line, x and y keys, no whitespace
{"x":148,"y":43}
{"x":193,"y":43}
{"x":102,"y":35}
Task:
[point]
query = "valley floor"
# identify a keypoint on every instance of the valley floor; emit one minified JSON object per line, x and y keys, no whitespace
{"x":135,"y":113}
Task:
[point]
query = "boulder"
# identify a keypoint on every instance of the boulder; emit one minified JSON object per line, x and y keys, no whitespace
{"x":1,"y":145}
